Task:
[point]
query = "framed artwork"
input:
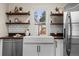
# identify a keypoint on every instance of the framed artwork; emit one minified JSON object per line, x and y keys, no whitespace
{"x":40,"y":16}
{"x":42,"y":30}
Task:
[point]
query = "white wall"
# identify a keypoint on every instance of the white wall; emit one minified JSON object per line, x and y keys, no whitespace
{"x":3,"y":29}
{"x":32,"y":7}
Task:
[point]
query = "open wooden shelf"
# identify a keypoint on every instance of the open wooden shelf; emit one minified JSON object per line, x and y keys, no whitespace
{"x":10,"y":38}
{"x":52,"y":14}
{"x":23,"y":13}
{"x":41,"y":24}
{"x":11,"y":34}
{"x":17,"y":23}
{"x":58,"y":34}
{"x":56,"y":24}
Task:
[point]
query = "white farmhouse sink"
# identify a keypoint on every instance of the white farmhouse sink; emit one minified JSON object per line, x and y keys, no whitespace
{"x":38,"y":39}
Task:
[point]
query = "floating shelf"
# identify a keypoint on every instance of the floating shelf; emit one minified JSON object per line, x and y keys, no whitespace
{"x":41,"y":24}
{"x":24,"y":13}
{"x":58,"y":34}
{"x":56,"y":14}
{"x":56,"y":24}
{"x":8,"y":37}
{"x":11,"y":34}
{"x":17,"y":23}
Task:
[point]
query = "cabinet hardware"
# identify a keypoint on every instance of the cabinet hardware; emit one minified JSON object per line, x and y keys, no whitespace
{"x":56,"y":43}
{"x":38,"y":48}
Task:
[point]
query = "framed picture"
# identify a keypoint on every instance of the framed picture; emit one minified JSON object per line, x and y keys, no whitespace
{"x":42,"y":30}
{"x":40,"y":16}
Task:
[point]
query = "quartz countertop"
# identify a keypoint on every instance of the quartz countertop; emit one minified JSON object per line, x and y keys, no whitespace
{"x":58,"y":37}
{"x":11,"y":37}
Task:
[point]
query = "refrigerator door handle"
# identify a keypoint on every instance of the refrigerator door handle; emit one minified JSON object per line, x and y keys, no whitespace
{"x":68,"y":44}
{"x":64,"y":32}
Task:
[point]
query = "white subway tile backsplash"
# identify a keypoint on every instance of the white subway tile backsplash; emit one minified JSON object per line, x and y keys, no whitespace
{"x":17,"y":28}
{"x":57,"y":19}
{"x":56,"y":29}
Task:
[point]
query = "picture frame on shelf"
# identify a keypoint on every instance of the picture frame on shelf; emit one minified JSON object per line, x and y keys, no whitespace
{"x":41,"y":30}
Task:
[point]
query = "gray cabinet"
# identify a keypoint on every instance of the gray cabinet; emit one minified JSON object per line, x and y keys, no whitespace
{"x":30,"y":50}
{"x":46,"y":50}
{"x":38,"y":50}
{"x":59,"y":47}
{"x":12,"y":47}
{"x":0,"y":47}
{"x":7,"y":47}
{"x":18,"y":47}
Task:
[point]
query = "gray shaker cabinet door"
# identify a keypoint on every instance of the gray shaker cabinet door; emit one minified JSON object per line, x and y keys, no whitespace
{"x":12,"y":47}
{"x":47,"y":50}
{"x":18,"y":47}
{"x":0,"y":47}
{"x":59,"y":48}
{"x":7,"y":47}
{"x":30,"y":50}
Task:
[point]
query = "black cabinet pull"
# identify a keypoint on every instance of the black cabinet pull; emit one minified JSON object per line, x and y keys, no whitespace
{"x":38,"y":48}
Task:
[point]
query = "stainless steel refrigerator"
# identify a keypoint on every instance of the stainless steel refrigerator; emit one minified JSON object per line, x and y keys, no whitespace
{"x":71,"y":29}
